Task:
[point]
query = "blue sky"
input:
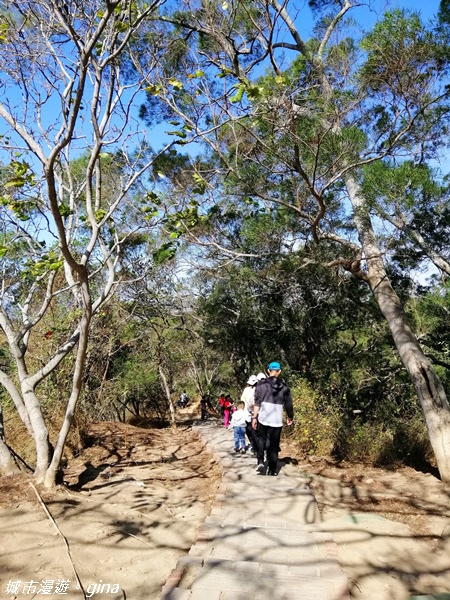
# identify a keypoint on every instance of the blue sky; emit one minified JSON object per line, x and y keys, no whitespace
{"x":427,"y":8}
{"x":363,"y":14}
{"x":366,"y":15}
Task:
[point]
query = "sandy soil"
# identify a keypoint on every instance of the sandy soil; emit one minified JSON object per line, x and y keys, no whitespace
{"x":391,"y":527}
{"x":131,"y":506}
{"x":134,"y":500}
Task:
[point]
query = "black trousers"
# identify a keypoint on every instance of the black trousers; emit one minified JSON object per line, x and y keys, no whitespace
{"x":272,"y":435}
{"x":252,"y":436}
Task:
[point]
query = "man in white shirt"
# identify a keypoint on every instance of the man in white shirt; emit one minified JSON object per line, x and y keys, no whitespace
{"x":272,"y":395}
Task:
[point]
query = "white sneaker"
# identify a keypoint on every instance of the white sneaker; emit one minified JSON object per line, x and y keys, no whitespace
{"x":260,"y":468}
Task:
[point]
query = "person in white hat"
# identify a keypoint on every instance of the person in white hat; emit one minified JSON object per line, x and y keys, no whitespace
{"x":248,"y":398}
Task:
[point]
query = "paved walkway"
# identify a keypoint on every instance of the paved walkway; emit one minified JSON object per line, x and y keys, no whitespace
{"x":259,"y":541}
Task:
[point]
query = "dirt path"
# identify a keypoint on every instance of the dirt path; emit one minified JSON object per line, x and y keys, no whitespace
{"x":133,"y":505}
{"x":135,"y":499}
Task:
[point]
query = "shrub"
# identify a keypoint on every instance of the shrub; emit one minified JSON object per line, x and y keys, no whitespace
{"x":413,"y":444}
{"x":367,"y":442}
{"x":321,"y":428}
{"x":400,"y":441}
{"x":315,"y":421}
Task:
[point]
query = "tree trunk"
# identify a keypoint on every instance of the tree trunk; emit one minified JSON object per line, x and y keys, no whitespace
{"x":77,"y":382}
{"x":8,"y":465}
{"x":428,"y":386}
{"x":40,"y":431}
{"x":169,"y":398}
{"x":26,"y":402}
{"x":12,"y":390}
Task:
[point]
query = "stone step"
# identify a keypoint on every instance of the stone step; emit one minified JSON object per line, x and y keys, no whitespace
{"x":254,"y":580}
{"x":260,"y":540}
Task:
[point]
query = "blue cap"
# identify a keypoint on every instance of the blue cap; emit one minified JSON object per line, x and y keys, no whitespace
{"x":274,"y":366}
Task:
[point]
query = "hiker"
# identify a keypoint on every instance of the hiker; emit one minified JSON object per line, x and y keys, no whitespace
{"x":239,"y":420}
{"x":184,"y":400}
{"x":228,"y":407}
{"x":259,"y":377}
{"x":222,"y":404}
{"x":206,"y":406}
{"x":271,"y":396}
{"x":248,"y":398}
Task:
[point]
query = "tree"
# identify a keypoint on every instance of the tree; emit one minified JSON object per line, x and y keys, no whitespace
{"x":300,"y":136}
{"x":413,"y":199}
{"x":71,"y":194}
{"x":431,"y":313}
{"x":166,"y":309}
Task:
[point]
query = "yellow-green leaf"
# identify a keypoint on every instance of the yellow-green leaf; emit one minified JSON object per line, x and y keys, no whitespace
{"x":121,"y":26}
{"x":239,"y":94}
{"x":99,"y":214}
{"x":177,"y":85}
{"x":15,"y":182}
{"x":280,"y":80}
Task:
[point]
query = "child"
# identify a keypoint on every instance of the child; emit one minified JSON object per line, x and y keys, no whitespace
{"x":238,"y":424}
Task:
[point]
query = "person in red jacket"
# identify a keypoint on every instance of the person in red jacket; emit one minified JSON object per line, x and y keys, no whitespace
{"x":227,"y":406}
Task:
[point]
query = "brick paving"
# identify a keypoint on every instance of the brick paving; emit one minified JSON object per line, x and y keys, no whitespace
{"x":259,"y":541}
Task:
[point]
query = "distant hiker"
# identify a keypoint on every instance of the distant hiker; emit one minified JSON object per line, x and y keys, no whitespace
{"x":271,"y":396}
{"x":248,"y":398}
{"x":206,"y":406}
{"x":238,"y":423}
{"x":222,"y":402}
{"x":228,"y":407}
{"x":184,"y":400}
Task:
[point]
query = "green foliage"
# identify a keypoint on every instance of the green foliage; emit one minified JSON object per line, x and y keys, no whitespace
{"x":402,"y":56}
{"x":283,"y":140}
{"x":371,"y":443}
{"x":383,"y":444}
{"x":139,"y":391}
{"x":320,"y":5}
{"x":18,"y":181}
{"x":315,"y":419}
{"x":444,"y":12}
{"x":4,"y":30}
{"x":166,"y":252}
{"x":430,"y":314}
{"x":416,"y":198}
{"x":412,"y":443}
{"x":21,"y":175}
{"x":51,"y":261}
{"x":405,"y":183}
{"x":20,"y":208}
{"x":6,"y":363}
